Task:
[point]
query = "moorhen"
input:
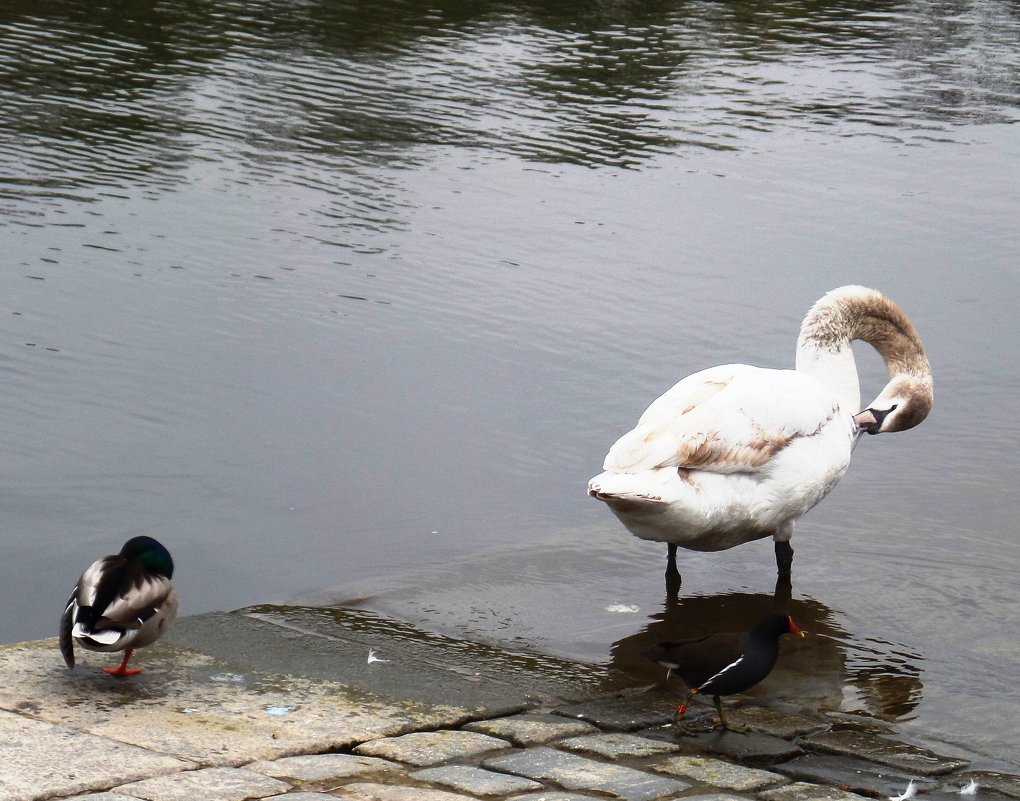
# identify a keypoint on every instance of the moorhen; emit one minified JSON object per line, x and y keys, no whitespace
{"x":736,"y":453}
{"x":725,"y":663}
{"x":121,"y":602}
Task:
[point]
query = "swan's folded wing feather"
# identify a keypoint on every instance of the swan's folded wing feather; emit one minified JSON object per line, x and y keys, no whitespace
{"x":694,"y":391}
{"x":729,"y":419}
{"x":649,"y":444}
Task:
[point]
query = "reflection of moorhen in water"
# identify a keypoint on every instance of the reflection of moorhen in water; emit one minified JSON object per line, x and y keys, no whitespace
{"x":725,"y":663}
{"x":827,"y":670}
{"x":736,"y":453}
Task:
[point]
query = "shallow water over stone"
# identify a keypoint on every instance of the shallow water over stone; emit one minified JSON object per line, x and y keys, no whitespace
{"x":350,"y":300}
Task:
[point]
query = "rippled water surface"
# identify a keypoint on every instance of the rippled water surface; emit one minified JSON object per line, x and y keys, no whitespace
{"x":347,"y":301}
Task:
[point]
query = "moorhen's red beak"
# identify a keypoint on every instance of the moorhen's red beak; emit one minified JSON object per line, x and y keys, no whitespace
{"x":793,"y":628}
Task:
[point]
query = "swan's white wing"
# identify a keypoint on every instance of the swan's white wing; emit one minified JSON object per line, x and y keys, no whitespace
{"x":727,"y":419}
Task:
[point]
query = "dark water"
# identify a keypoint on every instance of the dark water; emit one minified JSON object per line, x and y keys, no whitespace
{"x":349,"y":300}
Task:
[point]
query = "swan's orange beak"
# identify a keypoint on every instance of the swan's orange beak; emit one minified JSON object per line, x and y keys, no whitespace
{"x":793,"y":628}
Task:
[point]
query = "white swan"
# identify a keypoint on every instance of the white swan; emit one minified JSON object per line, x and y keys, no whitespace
{"x":736,"y":453}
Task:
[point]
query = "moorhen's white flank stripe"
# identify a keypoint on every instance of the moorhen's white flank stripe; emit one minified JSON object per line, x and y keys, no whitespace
{"x":704,"y":685}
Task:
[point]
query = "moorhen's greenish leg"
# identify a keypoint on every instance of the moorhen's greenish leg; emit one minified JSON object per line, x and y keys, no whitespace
{"x":722,"y":717}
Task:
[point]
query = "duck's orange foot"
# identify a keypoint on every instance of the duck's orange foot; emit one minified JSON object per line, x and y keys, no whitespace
{"x":121,"y":670}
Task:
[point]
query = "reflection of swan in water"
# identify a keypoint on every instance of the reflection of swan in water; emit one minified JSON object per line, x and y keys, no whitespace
{"x":827,"y":670}
{"x":882,"y":679}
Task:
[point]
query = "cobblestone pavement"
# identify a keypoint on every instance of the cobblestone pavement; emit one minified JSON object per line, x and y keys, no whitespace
{"x":296,"y":712}
{"x":538,"y":756}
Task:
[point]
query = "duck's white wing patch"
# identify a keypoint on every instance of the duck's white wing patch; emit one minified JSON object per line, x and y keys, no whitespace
{"x":728,"y":419}
{"x":102,"y":636}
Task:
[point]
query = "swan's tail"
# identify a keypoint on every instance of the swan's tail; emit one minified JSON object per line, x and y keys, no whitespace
{"x":626,"y":489}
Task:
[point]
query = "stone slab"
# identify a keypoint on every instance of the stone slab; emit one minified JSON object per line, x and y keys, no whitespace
{"x":778,"y":724}
{"x":102,"y":797}
{"x":870,"y":746}
{"x":532,"y":728}
{"x":939,"y":795}
{"x":574,"y":772}
{"x":366,"y":791}
{"x":624,"y":711}
{"x":849,"y":773}
{"x":714,"y":797}
{"x":431,"y":747}
{"x":804,"y":791}
{"x":39,"y":759}
{"x":717,"y":773}
{"x":198,"y":708}
{"x":321,"y":767}
{"x":749,"y":748}
{"x":618,"y":745}
{"x":1007,"y":784}
{"x":557,"y":796}
{"x":421,"y":665}
{"x":477,"y":781}
{"x":302,"y":796}
{"x":209,"y":784}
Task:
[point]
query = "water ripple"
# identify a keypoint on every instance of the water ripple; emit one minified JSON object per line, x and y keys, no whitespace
{"x":141,"y":96}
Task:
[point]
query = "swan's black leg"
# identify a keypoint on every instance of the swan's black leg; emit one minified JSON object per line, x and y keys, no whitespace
{"x":784,"y":561}
{"x":673,"y":579}
{"x":672,"y":574}
{"x":782,"y":596}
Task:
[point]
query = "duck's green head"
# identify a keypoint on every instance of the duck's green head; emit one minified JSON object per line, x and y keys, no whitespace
{"x":150,"y":553}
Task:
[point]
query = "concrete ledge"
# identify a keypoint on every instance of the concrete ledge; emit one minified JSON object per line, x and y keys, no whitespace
{"x":194,"y":707}
{"x":270,"y":702}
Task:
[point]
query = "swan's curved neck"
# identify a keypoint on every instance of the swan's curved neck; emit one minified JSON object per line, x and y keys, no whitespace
{"x":833,"y":367}
{"x":849,"y":313}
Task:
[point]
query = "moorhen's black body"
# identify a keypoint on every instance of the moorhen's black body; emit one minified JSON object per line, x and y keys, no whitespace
{"x":724,"y":664}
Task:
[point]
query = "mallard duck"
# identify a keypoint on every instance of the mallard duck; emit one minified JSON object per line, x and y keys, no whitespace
{"x":736,"y":453}
{"x":121,"y":602}
{"x":724,"y":664}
